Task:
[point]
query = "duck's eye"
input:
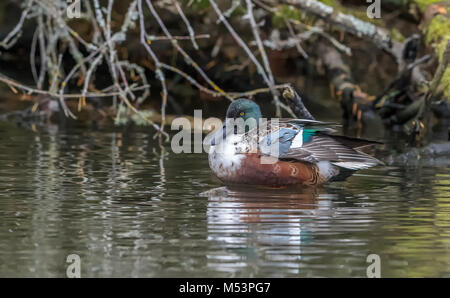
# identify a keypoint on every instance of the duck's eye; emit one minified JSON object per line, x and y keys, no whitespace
{"x":242,"y":113}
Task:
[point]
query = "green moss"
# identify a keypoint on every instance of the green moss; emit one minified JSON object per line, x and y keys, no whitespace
{"x":239,"y":11}
{"x":440,"y":48}
{"x":445,"y":83}
{"x":422,"y":4}
{"x":199,"y":4}
{"x":286,"y":12}
{"x":397,"y":35}
{"x":437,"y":33}
{"x":437,"y":29}
{"x":328,"y":2}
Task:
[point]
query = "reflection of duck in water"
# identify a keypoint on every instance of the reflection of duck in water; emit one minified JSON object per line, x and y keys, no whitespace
{"x":256,"y":227}
{"x":239,"y":204}
{"x":305,"y":153}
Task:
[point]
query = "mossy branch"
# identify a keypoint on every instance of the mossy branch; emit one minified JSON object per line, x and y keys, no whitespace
{"x":349,"y":23}
{"x":442,"y":68}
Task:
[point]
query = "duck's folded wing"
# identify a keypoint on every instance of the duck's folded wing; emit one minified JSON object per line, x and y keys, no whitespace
{"x":314,"y":125}
{"x":278,"y":142}
{"x":277,"y":136}
{"x":323,"y":147}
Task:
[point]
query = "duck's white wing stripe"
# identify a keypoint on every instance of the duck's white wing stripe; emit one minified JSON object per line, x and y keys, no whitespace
{"x":297,"y":142}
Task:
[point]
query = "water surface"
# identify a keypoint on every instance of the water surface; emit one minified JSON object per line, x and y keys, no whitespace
{"x":129,"y":208}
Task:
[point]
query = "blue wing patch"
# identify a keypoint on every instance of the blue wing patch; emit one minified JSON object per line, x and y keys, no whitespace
{"x":278,"y":142}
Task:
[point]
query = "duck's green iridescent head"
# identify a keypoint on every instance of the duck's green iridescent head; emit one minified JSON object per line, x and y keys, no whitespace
{"x":245,"y":109}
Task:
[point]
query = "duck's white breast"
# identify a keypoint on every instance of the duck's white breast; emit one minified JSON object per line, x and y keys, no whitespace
{"x":226,"y":157}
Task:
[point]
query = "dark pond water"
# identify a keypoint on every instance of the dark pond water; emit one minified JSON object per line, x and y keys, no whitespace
{"x":129,"y":209}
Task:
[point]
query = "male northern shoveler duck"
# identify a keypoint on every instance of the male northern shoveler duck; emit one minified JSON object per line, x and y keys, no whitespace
{"x":282,"y":151}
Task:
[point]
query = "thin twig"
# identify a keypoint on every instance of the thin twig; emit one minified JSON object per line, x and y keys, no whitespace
{"x":14,"y":34}
{"x":264,"y":56}
{"x":242,"y":44}
{"x":31,"y":90}
{"x":188,"y":59}
{"x":188,"y":25}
